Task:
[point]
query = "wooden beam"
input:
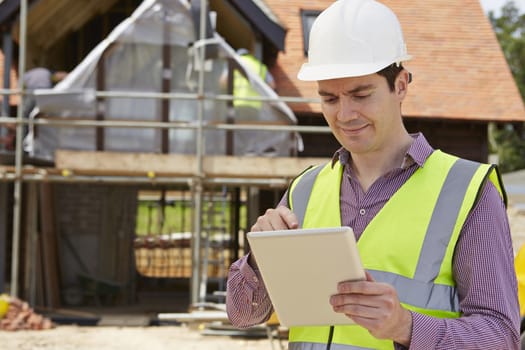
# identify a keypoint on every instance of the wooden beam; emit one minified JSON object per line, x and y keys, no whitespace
{"x":50,"y":264}
{"x":50,"y":20}
{"x":4,"y":216}
{"x":184,"y":165}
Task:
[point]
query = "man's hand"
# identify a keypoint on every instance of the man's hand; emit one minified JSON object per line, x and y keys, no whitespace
{"x":280,"y":218}
{"x":376,"y":307}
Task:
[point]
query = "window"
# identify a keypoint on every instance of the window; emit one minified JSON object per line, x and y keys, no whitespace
{"x":307,"y":18}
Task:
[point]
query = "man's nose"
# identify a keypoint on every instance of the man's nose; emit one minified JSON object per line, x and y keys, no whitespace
{"x":347,"y":109}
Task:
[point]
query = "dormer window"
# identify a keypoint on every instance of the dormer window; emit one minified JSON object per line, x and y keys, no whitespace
{"x":307,"y":18}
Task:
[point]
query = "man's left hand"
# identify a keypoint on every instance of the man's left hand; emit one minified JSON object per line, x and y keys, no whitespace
{"x":376,"y":307}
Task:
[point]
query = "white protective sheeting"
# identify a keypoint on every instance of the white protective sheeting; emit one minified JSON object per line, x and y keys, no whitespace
{"x":132,"y":59}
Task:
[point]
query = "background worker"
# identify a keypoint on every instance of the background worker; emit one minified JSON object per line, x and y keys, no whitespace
{"x":432,"y":229}
{"x":248,"y":110}
{"x":35,"y":78}
{"x":39,"y":78}
{"x":242,"y":87}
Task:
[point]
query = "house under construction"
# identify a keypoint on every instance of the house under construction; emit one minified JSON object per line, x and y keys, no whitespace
{"x":138,"y":177}
{"x":143,"y":129}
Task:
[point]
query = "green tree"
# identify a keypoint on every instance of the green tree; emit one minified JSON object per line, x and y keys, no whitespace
{"x":509,"y":141}
{"x":510,"y":31}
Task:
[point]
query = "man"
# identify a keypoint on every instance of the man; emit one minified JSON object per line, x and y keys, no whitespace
{"x":245,"y":109}
{"x":242,"y":87}
{"x":432,"y":229}
{"x":39,"y":78}
{"x":35,"y":78}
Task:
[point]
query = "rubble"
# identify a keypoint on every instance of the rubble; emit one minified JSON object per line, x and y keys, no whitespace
{"x":16,"y":314}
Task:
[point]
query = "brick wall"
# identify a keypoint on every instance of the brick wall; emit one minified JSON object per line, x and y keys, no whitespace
{"x":95,"y":227}
{"x":13,"y":100}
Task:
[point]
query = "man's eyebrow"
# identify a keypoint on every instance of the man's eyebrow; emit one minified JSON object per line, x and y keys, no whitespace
{"x":349,"y":92}
{"x":324,"y":93}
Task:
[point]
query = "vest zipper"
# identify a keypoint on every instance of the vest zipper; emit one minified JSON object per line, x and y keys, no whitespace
{"x":330,"y":336}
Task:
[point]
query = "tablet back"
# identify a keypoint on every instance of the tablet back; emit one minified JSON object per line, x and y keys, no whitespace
{"x":301,"y":268}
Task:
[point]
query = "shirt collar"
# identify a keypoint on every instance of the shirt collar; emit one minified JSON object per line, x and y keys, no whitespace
{"x":418,"y":153}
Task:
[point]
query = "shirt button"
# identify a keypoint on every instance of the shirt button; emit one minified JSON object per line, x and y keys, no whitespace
{"x":254,"y":304}
{"x":255,"y":279}
{"x":362,"y":211}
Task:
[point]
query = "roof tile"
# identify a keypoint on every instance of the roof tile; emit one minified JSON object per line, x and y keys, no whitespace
{"x":459,"y":69}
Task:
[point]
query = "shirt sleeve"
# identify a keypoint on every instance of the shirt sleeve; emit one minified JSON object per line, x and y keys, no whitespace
{"x":247,"y":302}
{"x":486,"y":283}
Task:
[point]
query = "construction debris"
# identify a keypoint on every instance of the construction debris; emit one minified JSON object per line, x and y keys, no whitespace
{"x":16,"y":314}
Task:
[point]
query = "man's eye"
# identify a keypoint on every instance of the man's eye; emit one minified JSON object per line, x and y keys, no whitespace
{"x":329,"y":100}
{"x":362,"y":96}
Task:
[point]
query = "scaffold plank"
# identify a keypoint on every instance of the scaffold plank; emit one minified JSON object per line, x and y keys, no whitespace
{"x":182,"y":165}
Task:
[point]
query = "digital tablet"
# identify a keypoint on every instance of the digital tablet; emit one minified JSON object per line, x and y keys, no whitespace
{"x":301,"y":269}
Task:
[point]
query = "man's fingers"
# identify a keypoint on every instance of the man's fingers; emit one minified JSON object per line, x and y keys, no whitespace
{"x":281,"y":218}
{"x":288,"y":217}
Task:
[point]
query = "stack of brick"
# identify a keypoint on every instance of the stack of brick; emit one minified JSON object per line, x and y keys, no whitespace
{"x":16,"y":314}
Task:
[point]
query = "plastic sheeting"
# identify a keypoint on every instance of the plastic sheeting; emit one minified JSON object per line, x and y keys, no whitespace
{"x":132,"y":61}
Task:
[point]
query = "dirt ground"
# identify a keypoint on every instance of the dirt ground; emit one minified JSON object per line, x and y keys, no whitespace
{"x":128,"y":338}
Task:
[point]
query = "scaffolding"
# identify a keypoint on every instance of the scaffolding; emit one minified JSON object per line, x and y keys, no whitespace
{"x":197,"y":179}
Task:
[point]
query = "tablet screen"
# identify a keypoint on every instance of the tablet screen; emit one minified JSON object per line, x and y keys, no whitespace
{"x":301,"y":269}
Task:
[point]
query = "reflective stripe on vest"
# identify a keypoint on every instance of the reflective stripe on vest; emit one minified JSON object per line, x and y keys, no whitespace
{"x":430,"y":287}
{"x":440,"y":228}
{"x":301,"y":193}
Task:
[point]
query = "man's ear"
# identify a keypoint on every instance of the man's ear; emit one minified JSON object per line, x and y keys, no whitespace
{"x":401,"y":84}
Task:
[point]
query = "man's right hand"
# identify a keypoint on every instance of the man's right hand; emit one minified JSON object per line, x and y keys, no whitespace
{"x":281,"y":218}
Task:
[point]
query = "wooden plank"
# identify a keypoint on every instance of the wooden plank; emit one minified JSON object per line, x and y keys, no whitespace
{"x":4,"y":217}
{"x":130,"y":162}
{"x":30,"y":239}
{"x":232,"y":166}
{"x":183,"y":165}
{"x":49,"y":246}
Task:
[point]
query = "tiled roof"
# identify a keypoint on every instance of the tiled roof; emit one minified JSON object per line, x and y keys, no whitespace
{"x":262,"y":17}
{"x":458,"y":67}
{"x":267,"y":11}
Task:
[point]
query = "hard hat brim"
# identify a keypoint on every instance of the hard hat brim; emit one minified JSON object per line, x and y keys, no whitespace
{"x":309,"y":72}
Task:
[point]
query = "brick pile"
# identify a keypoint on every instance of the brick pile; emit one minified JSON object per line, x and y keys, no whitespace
{"x":19,"y":316}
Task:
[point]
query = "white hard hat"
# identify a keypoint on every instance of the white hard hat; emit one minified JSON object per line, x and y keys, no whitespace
{"x":353,"y":38}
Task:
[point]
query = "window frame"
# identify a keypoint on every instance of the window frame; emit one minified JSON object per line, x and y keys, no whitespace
{"x":307,"y":19}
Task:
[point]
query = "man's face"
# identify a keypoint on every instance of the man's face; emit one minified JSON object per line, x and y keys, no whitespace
{"x":364,"y":115}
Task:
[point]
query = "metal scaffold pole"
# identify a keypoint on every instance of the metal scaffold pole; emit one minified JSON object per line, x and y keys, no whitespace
{"x":17,"y":193}
{"x":196,"y":285}
{"x":200,"y":178}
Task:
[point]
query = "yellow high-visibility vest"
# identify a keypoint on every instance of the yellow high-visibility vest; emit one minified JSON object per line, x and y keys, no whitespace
{"x":403,"y":244}
{"x":241,"y":85}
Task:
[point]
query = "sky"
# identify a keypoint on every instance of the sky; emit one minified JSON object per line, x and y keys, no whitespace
{"x":496,"y":5}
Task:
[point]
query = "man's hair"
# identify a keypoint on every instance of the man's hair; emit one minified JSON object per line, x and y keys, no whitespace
{"x":390,"y":73}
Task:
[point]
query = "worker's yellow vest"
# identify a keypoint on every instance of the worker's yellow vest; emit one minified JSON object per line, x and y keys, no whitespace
{"x":409,"y":243}
{"x":241,"y":85}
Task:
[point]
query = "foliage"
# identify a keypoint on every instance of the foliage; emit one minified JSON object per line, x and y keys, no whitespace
{"x":152,"y":219}
{"x":510,"y":147}
{"x":510,"y":31}
{"x":509,"y":141}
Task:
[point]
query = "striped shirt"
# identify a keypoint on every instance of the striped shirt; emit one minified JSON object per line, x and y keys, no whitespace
{"x":483,"y":266}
